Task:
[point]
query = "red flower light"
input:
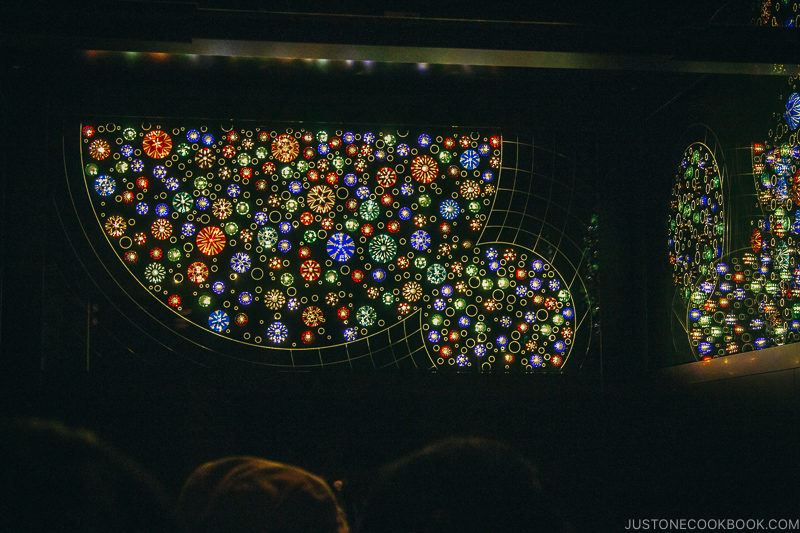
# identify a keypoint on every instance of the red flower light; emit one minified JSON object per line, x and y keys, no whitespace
{"x":307,"y":337}
{"x":310,"y":270}
{"x":306,"y":218}
{"x":386,"y":177}
{"x":210,"y":240}
{"x":197,"y":272}
{"x":157,"y":144}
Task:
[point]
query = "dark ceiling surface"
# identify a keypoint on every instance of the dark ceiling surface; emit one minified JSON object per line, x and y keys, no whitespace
{"x":705,"y":30}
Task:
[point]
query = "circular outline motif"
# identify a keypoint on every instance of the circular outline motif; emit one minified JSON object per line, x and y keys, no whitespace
{"x":233,"y":236}
{"x":696,"y":222}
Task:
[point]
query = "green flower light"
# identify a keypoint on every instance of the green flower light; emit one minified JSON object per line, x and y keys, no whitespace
{"x":242,"y":208}
{"x":231,"y":228}
{"x":382,"y":248}
{"x":369,"y":210}
{"x":366,"y":315}
{"x":331,"y":276}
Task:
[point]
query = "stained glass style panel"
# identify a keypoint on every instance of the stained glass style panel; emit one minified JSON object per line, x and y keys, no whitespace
{"x":750,"y":297}
{"x":697,"y":217}
{"x":297,"y":238}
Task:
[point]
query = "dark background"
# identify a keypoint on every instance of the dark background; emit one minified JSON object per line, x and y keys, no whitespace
{"x":613,"y":440}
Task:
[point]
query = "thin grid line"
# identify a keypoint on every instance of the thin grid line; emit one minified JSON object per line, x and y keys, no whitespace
{"x":537,"y":196}
{"x":544,"y":239}
{"x":389,"y":336}
{"x":405,"y":339}
{"x":568,"y":210}
{"x":349,"y":359}
{"x":527,"y":199}
{"x":516,"y":165}
{"x":371,"y":336}
{"x":369,"y":352}
{"x":547,"y":208}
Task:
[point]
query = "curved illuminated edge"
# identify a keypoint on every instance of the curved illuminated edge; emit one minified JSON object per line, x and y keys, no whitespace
{"x":684,"y":304}
{"x":723,"y":208}
{"x":206,"y":330}
{"x":534,"y":255}
{"x":572,"y":297}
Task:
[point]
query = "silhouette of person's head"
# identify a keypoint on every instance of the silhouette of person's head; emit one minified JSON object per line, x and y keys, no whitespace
{"x":59,"y":479}
{"x":249,"y":495}
{"x":459,"y":485}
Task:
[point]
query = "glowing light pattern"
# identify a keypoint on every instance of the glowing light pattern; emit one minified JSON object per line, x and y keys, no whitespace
{"x":506,"y":307}
{"x":750,"y":300}
{"x":211,"y":240}
{"x":382,"y":248}
{"x":156,"y":144}
{"x":792,"y":114}
{"x":285,"y":148}
{"x":697,"y":217}
{"x":779,"y":13}
{"x":341,"y":247}
{"x":293,"y":238}
{"x":424,"y":168}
